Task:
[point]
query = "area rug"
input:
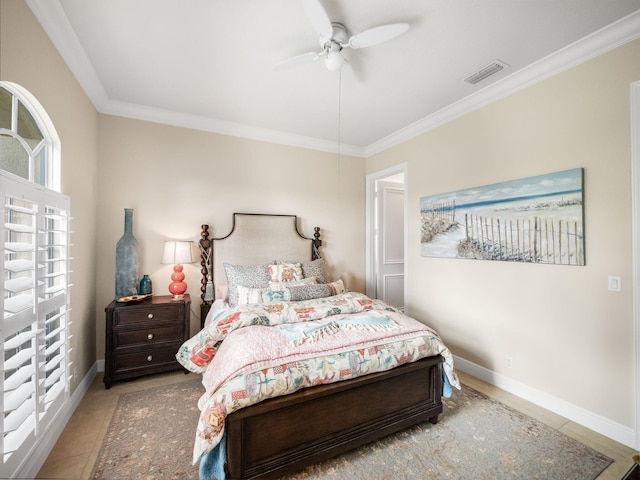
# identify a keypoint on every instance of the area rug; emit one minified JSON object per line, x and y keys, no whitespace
{"x":151,"y":434}
{"x":476,"y":438}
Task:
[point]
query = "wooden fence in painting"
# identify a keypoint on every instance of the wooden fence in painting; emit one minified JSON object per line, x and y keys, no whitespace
{"x":443,"y":210}
{"x":536,"y":239}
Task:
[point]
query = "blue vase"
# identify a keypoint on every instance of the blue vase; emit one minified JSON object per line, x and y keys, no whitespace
{"x":146,"y":286}
{"x":127,"y":259}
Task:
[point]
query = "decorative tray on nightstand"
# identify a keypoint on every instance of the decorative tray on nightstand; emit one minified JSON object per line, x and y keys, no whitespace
{"x":133,"y":298}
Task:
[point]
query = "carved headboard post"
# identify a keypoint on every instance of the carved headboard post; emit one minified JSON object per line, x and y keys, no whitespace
{"x":316,"y":244}
{"x":206,"y":283}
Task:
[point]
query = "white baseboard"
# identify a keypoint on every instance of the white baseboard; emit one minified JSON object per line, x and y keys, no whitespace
{"x":100,"y":364}
{"x":34,"y":463}
{"x":608,"y":428}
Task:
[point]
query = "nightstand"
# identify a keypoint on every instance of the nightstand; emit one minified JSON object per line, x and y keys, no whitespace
{"x":143,"y":338}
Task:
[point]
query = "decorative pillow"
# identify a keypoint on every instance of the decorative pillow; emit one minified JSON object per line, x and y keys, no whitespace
{"x":249,"y":295}
{"x":280,"y":286}
{"x":314,"y":268}
{"x":337,"y":287}
{"x":269,"y":296}
{"x":259,"y":295}
{"x":297,"y":293}
{"x":285,"y":272}
{"x":252,"y":276}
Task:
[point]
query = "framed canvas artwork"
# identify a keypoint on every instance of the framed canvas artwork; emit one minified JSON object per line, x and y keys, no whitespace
{"x":536,"y":220}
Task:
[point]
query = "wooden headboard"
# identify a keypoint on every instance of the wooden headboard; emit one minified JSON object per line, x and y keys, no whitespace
{"x":254,"y":239}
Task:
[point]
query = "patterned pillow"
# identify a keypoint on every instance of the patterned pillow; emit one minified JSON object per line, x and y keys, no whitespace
{"x":297,"y":293}
{"x":285,"y":272}
{"x":269,"y":296}
{"x":258,"y":295}
{"x":314,"y":268}
{"x":280,"y":286}
{"x":252,"y":276}
{"x":337,"y":287}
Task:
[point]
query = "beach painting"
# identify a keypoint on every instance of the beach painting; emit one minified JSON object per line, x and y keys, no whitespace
{"x":534,"y":220}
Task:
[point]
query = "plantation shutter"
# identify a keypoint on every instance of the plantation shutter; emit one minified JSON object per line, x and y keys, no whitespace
{"x":35,"y":305}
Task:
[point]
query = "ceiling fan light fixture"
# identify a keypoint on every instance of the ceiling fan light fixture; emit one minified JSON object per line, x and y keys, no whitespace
{"x":333,"y":37}
{"x":334,"y":60}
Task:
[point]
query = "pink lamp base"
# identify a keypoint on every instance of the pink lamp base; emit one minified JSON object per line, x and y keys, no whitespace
{"x":177,"y":287}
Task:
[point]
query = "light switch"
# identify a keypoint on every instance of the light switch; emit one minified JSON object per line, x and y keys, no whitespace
{"x":614,"y":284}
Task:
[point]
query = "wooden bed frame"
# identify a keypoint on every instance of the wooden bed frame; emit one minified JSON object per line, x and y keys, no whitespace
{"x":287,"y":434}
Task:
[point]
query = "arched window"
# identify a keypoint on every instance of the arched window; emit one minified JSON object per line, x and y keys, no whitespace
{"x":29,"y":145}
{"x":34,"y":327}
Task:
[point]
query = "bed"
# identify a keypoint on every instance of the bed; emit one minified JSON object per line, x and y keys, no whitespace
{"x":330,"y":352}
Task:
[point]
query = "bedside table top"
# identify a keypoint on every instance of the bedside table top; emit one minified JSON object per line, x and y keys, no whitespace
{"x":154,"y":300}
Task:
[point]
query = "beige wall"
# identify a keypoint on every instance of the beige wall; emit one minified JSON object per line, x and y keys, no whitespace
{"x":176,"y":179}
{"x":568,"y":336}
{"x":28,"y":58}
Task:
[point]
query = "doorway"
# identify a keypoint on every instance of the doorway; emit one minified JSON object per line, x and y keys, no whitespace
{"x":386,"y":224}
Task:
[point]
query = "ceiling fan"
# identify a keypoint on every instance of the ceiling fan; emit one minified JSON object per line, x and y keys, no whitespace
{"x":334,"y":37}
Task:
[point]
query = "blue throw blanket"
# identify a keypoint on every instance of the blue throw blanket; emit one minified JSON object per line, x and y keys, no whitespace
{"x":212,"y":464}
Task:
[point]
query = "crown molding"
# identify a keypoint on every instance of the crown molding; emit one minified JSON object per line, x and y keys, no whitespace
{"x":606,"y":39}
{"x":54,"y":21}
{"x":195,"y":122}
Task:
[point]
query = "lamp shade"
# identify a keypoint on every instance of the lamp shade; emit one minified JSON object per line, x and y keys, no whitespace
{"x":177,"y":252}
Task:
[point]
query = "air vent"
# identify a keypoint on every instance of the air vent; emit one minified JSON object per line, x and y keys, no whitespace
{"x":486,"y":71}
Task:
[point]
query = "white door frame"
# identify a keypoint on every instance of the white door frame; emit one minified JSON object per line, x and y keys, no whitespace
{"x":370,"y":234}
{"x":635,"y":222}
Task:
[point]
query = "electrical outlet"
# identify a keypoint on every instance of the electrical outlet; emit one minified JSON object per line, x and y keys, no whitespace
{"x":614,"y":284}
{"x":508,"y":362}
{"x":75,"y":375}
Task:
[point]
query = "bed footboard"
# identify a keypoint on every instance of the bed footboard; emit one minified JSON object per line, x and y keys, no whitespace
{"x":287,"y":434}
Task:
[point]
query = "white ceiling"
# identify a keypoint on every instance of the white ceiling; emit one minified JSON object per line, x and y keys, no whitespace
{"x":208,"y":64}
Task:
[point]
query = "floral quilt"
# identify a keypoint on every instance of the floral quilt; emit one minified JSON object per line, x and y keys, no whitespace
{"x":197,"y":353}
{"x":259,"y":351}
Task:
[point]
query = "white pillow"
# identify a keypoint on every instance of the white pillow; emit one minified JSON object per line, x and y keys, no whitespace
{"x":249,"y":295}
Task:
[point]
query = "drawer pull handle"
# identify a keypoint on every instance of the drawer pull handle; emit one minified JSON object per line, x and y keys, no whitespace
{"x":150,"y":336}
{"x":149,"y":358}
{"x":150,"y":316}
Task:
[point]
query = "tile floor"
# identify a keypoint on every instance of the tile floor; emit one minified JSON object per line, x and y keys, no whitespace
{"x":77,"y":448}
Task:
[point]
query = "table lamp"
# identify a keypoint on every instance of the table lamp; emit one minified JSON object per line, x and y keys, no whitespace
{"x":177,"y":253}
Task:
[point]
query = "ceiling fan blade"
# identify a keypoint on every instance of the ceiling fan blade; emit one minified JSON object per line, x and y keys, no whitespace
{"x":376,"y":35}
{"x":297,"y":60}
{"x":318,"y":17}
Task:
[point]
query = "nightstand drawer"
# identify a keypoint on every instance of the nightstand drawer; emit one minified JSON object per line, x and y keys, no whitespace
{"x":132,"y":316}
{"x":145,"y":336}
{"x":146,"y":359}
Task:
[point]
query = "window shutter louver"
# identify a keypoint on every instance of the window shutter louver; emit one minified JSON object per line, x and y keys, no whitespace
{"x":35,"y":327}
